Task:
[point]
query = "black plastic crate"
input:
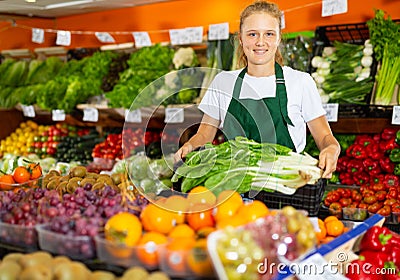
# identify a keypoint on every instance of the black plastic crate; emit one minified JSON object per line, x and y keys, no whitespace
{"x":306,"y":198}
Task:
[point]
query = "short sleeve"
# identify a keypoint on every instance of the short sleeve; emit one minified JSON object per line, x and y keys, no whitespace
{"x":311,"y":101}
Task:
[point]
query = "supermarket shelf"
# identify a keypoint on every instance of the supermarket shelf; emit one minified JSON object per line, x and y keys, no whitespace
{"x":361,"y":125}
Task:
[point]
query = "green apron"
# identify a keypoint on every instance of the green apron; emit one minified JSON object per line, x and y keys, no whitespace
{"x":264,"y":121}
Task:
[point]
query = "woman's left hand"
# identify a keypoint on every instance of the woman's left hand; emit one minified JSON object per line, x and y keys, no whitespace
{"x":327,"y":160}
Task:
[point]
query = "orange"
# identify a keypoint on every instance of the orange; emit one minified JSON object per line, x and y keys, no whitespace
{"x":235,"y":221}
{"x":124,"y":228}
{"x":334,"y":228}
{"x":201,"y":194}
{"x":198,"y":260}
{"x":330,"y":218}
{"x":228,"y":202}
{"x":158,"y":219}
{"x":21,"y":174}
{"x":35,"y":170}
{"x":200,"y":216}
{"x":182,"y":230}
{"x":178,"y":205}
{"x":6,"y":181}
{"x":253,"y":210}
{"x":147,"y":251}
{"x":176,"y":254}
{"x":322,"y":233}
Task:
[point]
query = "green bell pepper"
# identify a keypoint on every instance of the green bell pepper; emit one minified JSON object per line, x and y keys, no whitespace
{"x":397,"y":170}
{"x":395,"y":155}
{"x":398,"y":137}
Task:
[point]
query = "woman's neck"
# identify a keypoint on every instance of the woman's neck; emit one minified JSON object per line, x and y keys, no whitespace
{"x":264,"y":70}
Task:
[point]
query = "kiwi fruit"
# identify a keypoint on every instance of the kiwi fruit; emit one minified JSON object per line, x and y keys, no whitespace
{"x":78,"y":171}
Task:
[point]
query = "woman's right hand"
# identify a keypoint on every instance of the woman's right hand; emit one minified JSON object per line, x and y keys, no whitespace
{"x":183,"y":151}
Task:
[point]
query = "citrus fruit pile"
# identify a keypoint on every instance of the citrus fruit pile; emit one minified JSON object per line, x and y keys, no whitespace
{"x":22,"y":176}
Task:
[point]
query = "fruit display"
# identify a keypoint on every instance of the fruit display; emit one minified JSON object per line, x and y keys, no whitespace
{"x":44,"y":266}
{"x":20,"y":141}
{"x":330,"y":228}
{"x":240,"y":250}
{"x":22,"y":176}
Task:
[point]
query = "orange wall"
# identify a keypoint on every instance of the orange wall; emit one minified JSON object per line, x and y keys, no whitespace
{"x":157,"y":19}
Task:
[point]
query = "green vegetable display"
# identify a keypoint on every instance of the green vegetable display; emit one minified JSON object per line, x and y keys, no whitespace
{"x":385,"y":37}
{"x":145,"y":66}
{"x":245,"y":165}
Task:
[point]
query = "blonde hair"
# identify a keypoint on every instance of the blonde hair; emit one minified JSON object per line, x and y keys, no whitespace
{"x":259,"y":6}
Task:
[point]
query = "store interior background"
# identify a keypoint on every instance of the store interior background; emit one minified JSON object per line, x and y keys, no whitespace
{"x":158,"y":18}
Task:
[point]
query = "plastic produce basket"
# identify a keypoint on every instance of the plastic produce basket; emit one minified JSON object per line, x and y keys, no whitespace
{"x":306,"y":198}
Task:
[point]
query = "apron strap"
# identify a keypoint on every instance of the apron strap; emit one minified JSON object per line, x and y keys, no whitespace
{"x":281,"y":93}
{"x":238,"y":84}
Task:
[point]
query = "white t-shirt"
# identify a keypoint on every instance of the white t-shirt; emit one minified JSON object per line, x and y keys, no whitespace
{"x":304,"y":102}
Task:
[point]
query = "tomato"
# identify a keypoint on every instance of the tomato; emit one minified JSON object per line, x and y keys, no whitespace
{"x":21,"y":174}
{"x":346,"y":193}
{"x":335,"y":206}
{"x":371,"y":199}
{"x":384,"y":211}
{"x":198,"y":260}
{"x":373,"y":208}
{"x":345,"y":201}
{"x":381,"y":195}
{"x":362,"y":205}
{"x":35,"y":170}
{"x":378,"y":187}
{"x":356,"y":196}
{"x":390,"y":201}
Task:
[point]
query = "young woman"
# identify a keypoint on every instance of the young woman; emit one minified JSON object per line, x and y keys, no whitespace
{"x":265,"y":101}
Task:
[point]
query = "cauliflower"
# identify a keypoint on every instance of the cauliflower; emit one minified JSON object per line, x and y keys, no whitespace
{"x":185,"y":57}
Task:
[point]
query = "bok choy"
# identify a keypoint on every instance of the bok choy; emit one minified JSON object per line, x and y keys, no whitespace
{"x":245,"y":165}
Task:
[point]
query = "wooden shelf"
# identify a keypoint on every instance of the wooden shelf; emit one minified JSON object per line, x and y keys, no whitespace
{"x":361,"y":125}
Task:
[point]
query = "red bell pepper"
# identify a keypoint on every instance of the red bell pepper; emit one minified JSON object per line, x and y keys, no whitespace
{"x":372,"y":166}
{"x":391,"y":180}
{"x":355,"y":166}
{"x":375,"y":239}
{"x":342,"y":163}
{"x":389,"y":133}
{"x":356,"y":151}
{"x":374,"y":151}
{"x":362,"y":270}
{"x":363,"y":140}
{"x":386,"y":165}
{"x":361,"y":177}
{"x":377,"y":258}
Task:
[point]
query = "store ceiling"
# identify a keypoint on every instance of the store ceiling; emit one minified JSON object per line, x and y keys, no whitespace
{"x":61,"y":8}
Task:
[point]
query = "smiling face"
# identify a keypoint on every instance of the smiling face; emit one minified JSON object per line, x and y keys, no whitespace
{"x":260,"y":38}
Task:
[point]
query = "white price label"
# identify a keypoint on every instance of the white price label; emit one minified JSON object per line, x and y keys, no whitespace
{"x":332,"y":110}
{"x":316,"y":267}
{"x":396,"y":115}
{"x":175,"y":36}
{"x":174,"y":115}
{"x":37,"y":35}
{"x":58,"y":115}
{"x":63,"y":38}
{"x":142,"y":39}
{"x":90,"y":115}
{"x":104,"y":37}
{"x":283,"y":23}
{"x":28,"y":111}
{"x":218,"y":31}
{"x":194,"y":34}
{"x":333,"y":7}
{"x":134,"y":116}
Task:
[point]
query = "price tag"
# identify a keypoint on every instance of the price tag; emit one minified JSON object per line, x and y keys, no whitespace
{"x":283,"y":23}
{"x":396,"y":115}
{"x":332,"y":110}
{"x":218,"y":31}
{"x":142,"y":39}
{"x":333,"y":7}
{"x":174,"y":115}
{"x":28,"y":111}
{"x":316,"y":267}
{"x":194,"y":34}
{"x":104,"y":37}
{"x":90,"y":115}
{"x":58,"y":115}
{"x":175,"y":36}
{"x":134,"y":116}
{"x":63,"y":38}
{"x":37,"y":35}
